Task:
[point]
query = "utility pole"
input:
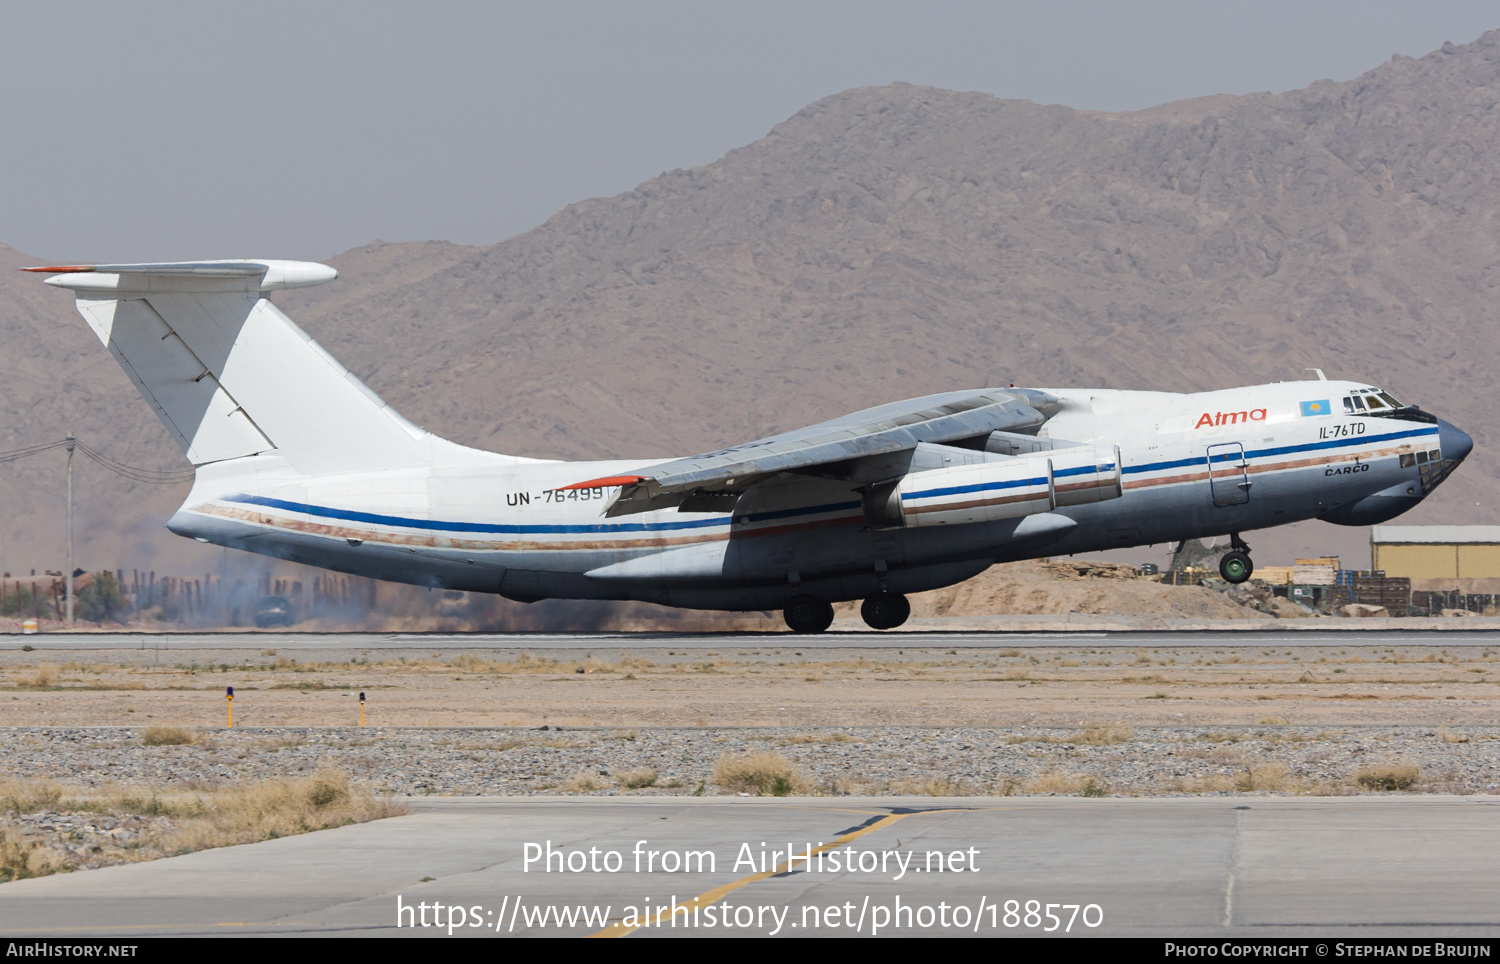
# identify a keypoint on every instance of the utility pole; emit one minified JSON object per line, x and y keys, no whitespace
{"x":71,"y":442}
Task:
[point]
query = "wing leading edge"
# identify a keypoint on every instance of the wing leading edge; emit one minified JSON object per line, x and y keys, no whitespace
{"x":700,"y":480}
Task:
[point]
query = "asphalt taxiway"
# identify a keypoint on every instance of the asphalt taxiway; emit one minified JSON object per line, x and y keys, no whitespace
{"x":1183,"y":867}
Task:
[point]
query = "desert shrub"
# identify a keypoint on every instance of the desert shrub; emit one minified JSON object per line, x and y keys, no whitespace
{"x":761,"y":773}
{"x":1103,"y":735}
{"x":101,"y":599}
{"x":1388,"y":777}
{"x":585,"y":781}
{"x":635,"y":779}
{"x":933,"y":786}
{"x":170,"y":736}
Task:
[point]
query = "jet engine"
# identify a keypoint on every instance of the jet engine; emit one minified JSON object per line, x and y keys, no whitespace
{"x":992,"y":490}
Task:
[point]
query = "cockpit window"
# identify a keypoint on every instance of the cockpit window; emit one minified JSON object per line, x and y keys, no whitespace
{"x":1372,"y":401}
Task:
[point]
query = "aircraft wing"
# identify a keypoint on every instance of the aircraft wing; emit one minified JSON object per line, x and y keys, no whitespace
{"x":712,"y":481}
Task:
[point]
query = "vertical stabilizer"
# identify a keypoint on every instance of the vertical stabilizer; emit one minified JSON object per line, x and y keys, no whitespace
{"x":228,"y":374}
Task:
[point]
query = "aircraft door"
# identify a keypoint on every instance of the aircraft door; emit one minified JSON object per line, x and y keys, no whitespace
{"x":1226,"y":474}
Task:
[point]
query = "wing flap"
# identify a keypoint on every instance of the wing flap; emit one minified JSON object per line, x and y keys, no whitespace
{"x":873,"y":432}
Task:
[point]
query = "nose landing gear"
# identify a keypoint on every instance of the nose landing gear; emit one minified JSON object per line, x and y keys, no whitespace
{"x":885,"y":610}
{"x":1235,"y":565}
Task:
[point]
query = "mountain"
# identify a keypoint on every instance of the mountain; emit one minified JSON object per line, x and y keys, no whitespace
{"x":887,"y":242}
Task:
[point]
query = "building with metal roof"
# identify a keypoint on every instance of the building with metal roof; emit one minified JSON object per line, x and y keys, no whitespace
{"x":1436,"y":552}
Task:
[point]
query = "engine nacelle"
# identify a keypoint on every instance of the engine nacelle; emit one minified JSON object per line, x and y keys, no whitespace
{"x":1086,"y":475}
{"x":995,"y":490}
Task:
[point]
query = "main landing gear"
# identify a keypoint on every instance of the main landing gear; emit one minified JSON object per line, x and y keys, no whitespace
{"x":1235,"y":565}
{"x":884,"y":610}
{"x":808,"y":614}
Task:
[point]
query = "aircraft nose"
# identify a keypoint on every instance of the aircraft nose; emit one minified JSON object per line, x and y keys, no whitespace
{"x":1454,"y":442}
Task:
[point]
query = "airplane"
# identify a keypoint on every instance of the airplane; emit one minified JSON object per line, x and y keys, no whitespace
{"x":296,"y":458}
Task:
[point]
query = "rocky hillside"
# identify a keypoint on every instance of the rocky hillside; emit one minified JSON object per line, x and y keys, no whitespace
{"x":886,"y":242}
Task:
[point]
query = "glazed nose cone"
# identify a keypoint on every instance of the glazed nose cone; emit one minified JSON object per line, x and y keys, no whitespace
{"x":1455,"y":442}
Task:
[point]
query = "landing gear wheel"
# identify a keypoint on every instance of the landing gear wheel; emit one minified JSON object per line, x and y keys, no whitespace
{"x":806,"y":614}
{"x":1236,"y":566}
{"x":885,"y":610}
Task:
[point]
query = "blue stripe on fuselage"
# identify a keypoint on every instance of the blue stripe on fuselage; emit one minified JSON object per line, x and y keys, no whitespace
{"x":349,"y":515}
{"x":1284,"y":450}
{"x":977,"y":487}
{"x":986,"y":486}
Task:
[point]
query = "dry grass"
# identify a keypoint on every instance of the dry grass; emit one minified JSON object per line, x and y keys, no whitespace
{"x":193,"y":820}
{"x":1388,"y":777}
{"x":933,"y":787}
{"x":29,"y":796}
{"x":21,"y":858}
{"x":584,"y":781}
{"x":796,"y":738}
{"x":522,"y":664}
{"x":636,"y":779}
{"x":1448,"y":736}
{"x":170,"y":736}
{"x":1209,"y":783}
{"x":1267,"y":777}
{"x":760,"y":773}
{"x":1055,"y":782}
{"x":1102,"y":735}
{"x":1088,"y":736}
{"x":46,"y":675}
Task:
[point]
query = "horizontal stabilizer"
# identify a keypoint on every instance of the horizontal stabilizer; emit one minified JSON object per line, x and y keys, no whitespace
{"x":189,"y":275}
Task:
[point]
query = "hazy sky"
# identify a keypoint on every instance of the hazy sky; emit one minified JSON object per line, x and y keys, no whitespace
{"x":152,"y":130}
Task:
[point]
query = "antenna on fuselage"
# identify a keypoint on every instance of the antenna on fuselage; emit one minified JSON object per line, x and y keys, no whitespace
{"x":1321,"y":377}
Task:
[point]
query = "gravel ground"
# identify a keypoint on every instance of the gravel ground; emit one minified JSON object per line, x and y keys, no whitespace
{"x":80,"y":840}
{"x":1146,"y":760}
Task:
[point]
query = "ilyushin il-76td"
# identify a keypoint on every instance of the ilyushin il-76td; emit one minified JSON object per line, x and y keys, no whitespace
{"x":295,"y":458}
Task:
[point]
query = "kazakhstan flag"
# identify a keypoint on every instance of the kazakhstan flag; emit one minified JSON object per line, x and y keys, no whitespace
{"x":1320,"y":407}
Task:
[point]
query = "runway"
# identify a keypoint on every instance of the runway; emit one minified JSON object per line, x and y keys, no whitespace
{"x":1240,"y":867}
{"x":626,"y":642}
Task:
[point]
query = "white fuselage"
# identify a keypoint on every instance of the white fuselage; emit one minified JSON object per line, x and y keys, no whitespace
{"x":466,"y":519}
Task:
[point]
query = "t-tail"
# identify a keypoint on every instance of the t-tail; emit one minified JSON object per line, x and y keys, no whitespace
{"x":228,"y":374}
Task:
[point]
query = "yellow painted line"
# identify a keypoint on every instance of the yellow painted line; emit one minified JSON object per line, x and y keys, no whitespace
{"x":719,"y":893}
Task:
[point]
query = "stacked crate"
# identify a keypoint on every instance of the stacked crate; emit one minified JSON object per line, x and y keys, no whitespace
{"x":1392,"y":592}
{"x":1433,"y":602}
{"x":1315,"y":572}
{"x":1346,"y":577}
{"x":1274,"y":575}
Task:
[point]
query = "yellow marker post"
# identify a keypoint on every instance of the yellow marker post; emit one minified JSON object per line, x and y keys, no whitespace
{"x":361,"y":709}
{"x":229,"y":694}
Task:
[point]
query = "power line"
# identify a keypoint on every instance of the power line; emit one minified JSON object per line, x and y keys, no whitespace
{"x":153,"y":476}
{"x":14,"y":454}
{"x":134,"y":473}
